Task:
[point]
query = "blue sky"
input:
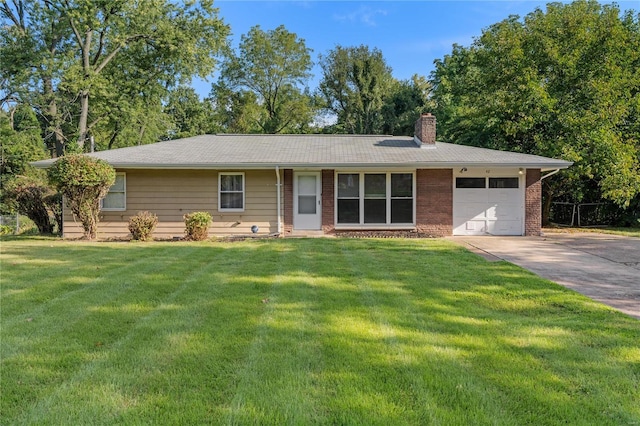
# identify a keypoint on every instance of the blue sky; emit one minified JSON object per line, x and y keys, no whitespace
{"x":410,"y":34}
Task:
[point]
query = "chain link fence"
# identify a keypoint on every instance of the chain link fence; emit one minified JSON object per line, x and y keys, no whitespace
{"x":10,"y":223}
{"x":582,"y":214}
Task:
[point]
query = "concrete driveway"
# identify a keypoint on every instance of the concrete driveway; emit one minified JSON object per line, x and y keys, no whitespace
{"x":604,"y":267}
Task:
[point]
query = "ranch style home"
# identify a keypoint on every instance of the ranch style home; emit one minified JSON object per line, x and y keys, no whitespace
{"x":324,"y":184}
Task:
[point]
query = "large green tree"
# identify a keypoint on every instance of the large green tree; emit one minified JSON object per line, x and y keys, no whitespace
{"x":563,"y":82}
{"x":262,"y":87}
{"x":403,"y":104}
{"x":91,"y":67}
{"x":354,"y":83}
{"x":189,"y":115}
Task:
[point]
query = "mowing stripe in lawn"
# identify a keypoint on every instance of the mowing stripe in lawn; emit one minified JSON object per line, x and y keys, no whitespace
{"x":276,"y":379}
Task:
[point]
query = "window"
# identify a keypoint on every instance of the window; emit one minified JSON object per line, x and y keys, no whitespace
{"x":116,"y":198}
{"x":374,"y":198}
{"x":401,"y":198}
{"x":503,"y":182}
{"x":231,"y":192}
{"x":471,"y":183}
{"x":349,"y":198}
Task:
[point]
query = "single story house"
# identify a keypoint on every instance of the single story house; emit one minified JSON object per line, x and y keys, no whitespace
{"x":324,"y":184}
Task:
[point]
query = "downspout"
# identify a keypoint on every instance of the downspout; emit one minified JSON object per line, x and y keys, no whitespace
{"x":549,"y":174}
{"x":278,"y":186}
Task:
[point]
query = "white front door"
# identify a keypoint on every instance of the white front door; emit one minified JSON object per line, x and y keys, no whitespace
{"x":307,"y":205}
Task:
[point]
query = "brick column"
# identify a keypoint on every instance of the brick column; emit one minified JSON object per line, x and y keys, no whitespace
{"x":328,"y":200}
{"x":533,"y":203}
{"x":434,"y":202}
{"x":288,"y":202}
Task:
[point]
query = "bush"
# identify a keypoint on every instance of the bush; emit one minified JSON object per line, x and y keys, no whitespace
{"x":6,"y":230}
{"x":83,"y":181}
{"x":142,"y":226}
{"x":197,"y":225}
{"x":28,"y":196}
{"x":54,"y":204}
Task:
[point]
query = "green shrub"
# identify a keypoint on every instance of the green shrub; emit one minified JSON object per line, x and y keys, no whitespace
{"x":83,"y":181}
{"x":6,"y":230}
{"x":28,"y":196}
{"x":142,"y":226}
{"x":197,"y":225}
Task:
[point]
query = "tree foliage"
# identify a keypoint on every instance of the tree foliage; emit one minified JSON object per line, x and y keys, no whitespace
{"x":91,"y":68}
{"x":190,"y":116}
{"x":20,"y":141}
{"x":83,"y":181}
{"x":564,"y":83}
{"x":403,"y":104}
{"x":262,"y":87}
{"x":354,"y":83}
{"x":33,"y":198}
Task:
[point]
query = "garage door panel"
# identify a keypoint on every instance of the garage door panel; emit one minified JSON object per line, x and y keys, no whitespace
{"x":500,"y":196}
{"x":474,"y":211}
{"x":470,"y":227}
{"x":504,"y":212}
{"x":472,"y":195}
{"x":504,"y":227}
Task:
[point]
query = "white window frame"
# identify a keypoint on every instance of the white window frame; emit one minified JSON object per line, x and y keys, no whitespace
{"x":123,"y":192}
{"x":244,"y":185}
{"x":361,"y":198}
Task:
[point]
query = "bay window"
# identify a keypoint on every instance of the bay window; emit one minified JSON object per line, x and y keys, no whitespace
{"x":374,"y":199}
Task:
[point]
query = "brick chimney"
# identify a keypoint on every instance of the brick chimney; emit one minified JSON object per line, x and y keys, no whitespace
{"x":425,"y":133}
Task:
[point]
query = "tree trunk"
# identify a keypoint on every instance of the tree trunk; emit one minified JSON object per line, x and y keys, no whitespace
{"x":84,"y":118}
{"x":546,"y":204}
{"x":53,"y":119}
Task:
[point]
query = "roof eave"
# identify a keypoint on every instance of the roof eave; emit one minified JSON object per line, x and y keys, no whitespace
{"x":258,"y":166}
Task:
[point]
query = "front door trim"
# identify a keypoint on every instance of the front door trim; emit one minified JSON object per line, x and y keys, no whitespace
{"x":302,"y":220}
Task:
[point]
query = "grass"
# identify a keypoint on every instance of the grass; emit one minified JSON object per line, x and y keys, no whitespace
{"x":317,"y":331}
{"x":627,"y":232}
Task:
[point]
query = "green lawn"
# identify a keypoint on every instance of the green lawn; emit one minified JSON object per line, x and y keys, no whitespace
{"x":308,"y":331}
{"x":627,"y":232}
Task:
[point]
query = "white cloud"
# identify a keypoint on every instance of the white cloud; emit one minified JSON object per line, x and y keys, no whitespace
{"x":364,"y":15}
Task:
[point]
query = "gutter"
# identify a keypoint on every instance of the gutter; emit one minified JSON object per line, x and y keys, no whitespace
{"x":552,"y":165}
{"x":278,"y":189}
{"x":549,"y":174}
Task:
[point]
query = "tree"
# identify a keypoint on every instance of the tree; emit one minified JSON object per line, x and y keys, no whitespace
{"x":77,"y":62}
{"x":564,"y":83}
{"x":83,"y":181}
{"x":354,"y":83}
{"x":33,"y":198}
{"x":264,"y":83}
{"x":20,"y":141}
{"x":404,"y":103}
{"x":190,"y":116}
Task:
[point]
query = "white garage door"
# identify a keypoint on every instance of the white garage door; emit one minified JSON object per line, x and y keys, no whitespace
{"x":488,"y":205}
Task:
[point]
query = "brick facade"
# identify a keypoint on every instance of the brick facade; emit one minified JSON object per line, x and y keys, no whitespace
{"x":288,"y":202}
{"x":328,"y":200}
{"x":533,"y":203}
{"x":434,"y":201}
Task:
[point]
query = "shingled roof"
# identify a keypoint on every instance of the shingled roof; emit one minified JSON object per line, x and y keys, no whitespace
{"x":230,"y":151}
